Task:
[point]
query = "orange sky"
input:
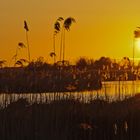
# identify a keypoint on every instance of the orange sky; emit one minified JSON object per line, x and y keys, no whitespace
{"x":102,"y":28}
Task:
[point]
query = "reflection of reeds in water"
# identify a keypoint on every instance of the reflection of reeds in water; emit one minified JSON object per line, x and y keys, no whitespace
{"x":84,"y":96}
{"x":110,"y":91}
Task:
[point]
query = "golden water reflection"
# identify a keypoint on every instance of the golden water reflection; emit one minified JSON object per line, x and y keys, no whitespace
{"x":112,"y":90}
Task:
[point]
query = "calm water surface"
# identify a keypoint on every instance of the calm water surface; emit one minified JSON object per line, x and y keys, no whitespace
{"x":111,"y":91}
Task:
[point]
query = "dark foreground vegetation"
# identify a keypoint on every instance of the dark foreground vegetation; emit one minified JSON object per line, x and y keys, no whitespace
{"x":86,"y":74}
{"x":69,"y":119}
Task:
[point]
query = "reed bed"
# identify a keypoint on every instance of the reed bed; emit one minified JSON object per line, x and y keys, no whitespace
{"x":69,"y":118}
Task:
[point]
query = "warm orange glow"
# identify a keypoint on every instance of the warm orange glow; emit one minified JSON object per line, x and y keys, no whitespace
{"x":137,"y":43}
{"x":101,"y":29}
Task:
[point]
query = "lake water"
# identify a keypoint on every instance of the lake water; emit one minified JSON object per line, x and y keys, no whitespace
{"x":113,"y":90}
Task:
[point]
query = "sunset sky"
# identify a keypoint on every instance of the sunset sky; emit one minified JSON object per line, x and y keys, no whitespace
{"x":102,"y":28}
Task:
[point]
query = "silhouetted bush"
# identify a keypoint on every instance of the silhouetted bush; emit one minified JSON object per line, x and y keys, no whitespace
{"x":86,"y":74}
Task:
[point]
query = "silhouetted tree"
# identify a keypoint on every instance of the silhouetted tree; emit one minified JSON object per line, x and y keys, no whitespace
{"x":125,"y":63}
{"x":81,"y":63}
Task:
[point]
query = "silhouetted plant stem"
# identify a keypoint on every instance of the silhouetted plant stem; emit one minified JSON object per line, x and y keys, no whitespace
{"x":63,"y":46}
{"x":54,"y":48}
{"x":27,"y":40}
{"x":16,"y":56}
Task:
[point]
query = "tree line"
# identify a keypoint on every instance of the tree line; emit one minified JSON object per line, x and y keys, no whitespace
{"x":85,"y":74}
